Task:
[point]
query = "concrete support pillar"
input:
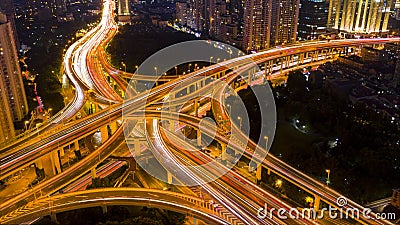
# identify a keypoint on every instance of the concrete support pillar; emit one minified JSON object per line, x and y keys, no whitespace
{"x":265,"y":69}
{"x":196,"y":107}
{"x":137,"y":146}
{"x":76,"y":145}
{"x":53,"y":217}
{"x":223,"y":152}
{"x":268,"y":171}
{"x":93,"y":172}
{"x":249,"y":78}
{"x":39,"y":163}
{"x":258,"y":173}
{"x":61,"y":150}
{"x":317,"y":202}
{"x":104,"y":209}
{"x":188,"y":89}
{"x":113,"y":127}
{"x":169,"y":177}
{"x":55,"y":161}
{"x":172,"y":125}
{"x":198,"y":137}
{"x":104,"y":134}
{"x":96,"y":108}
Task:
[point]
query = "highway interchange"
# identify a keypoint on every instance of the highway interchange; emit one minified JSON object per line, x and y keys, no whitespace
{"x":85,"y":64}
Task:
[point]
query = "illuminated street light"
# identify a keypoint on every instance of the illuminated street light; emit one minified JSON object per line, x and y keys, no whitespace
{"x":230,"y":109}
{"x":328,"y":180}
{"x":155,"y":68}
{"x":240,"y":122}
{"x":211,"y":59}
{"x":278,"y":183}
{"x":26,"y":125}
{"x":266,"y":141}
{"x":176,"y":70}
{"x":123,"y":64}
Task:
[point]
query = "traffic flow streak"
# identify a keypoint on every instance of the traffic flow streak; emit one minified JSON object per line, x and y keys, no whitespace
{"x":172,"y":164}
{"x":185,"y":204}
{"x":233,"y":185}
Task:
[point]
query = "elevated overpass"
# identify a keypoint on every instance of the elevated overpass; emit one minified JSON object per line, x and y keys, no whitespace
{"x":103,"y":197}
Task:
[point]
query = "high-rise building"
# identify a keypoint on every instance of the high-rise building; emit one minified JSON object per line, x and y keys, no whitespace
{"x":285,"y":16}
{"x":257,"y":24}
{"x":181,"y":12}
{"x":196,"y":15}
{"x":13,"y":103}
{"x":7,"y":7}
{"x":397,"y":9}
{"x":313,"y":18}
{"x":359,"y":16}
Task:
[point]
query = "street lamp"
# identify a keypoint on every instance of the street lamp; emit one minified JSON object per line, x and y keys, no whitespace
{"x":176,"y":70}
{"x":155,"y":68}
{"x":211,"y":59}
{"x":230,"y":109}
{"x":240,"y":122}
{"x":278,"y":183}
{"x":218,"y":60}
{"x":123,"y":64}
{"x":266,"y":141}
{"x":26,"y":125}
{"x":189,"y":66}
{"x":328,"y":180}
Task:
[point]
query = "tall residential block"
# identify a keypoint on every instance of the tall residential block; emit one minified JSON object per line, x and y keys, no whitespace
{"x":285,"y":16}
{"x":359,"y":16}
{"x":257,"y":24}
{"x":7,"y":7}
{"x":13,"y":103}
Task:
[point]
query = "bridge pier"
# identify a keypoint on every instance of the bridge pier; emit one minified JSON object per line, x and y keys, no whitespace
{"x":198,"y":137}
{"x":104,"y":209}
{"x":169,"y":177}
{"x":196,"y":107}
{"x":53,"y":217}
{"x":258,"y":173}
{"x":104,"y":133}
{"x":136,"y":144}
{"x":76,"y":145}
{"x":113,"y":127}
{"x":223,"y":152}
{"x":93,"y":172}
{"x":172,"y":125}
{"x":49,"y":163}
{"x":55,"y":161}
{"x":317,"y":202}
